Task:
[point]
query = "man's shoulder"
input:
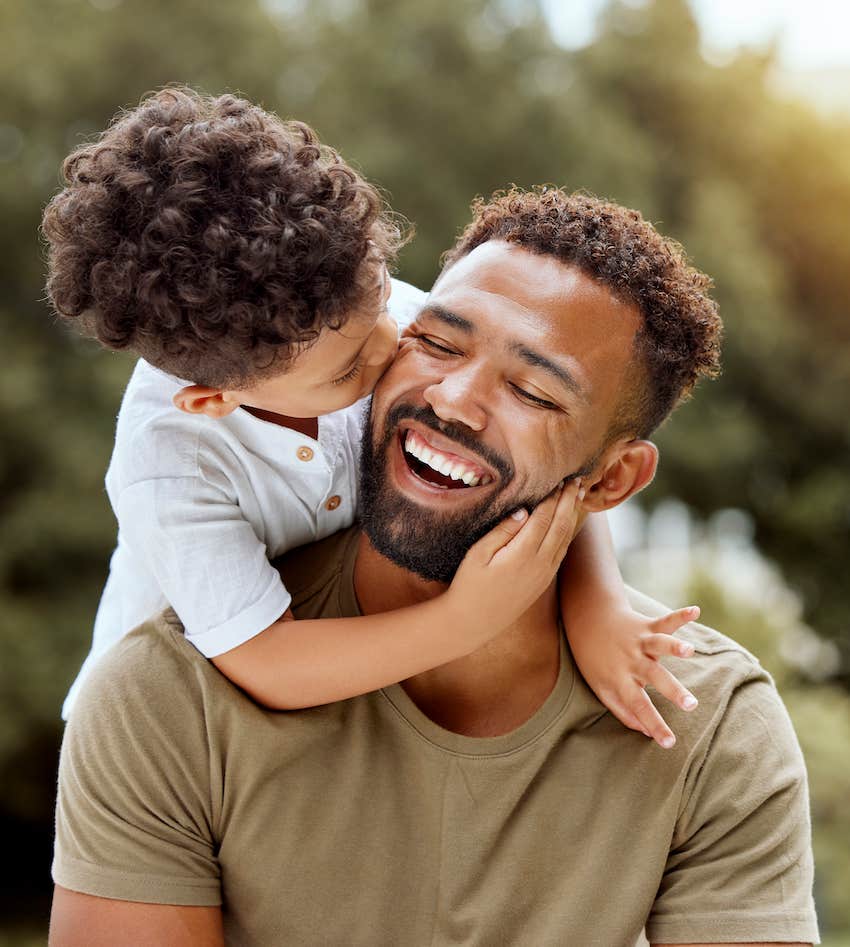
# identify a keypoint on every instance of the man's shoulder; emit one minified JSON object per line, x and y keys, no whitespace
{"x":153,"y":666}
{"x":738,"y":700}
{"x":319,"y":576}
{"x":706,"y":641}
{"x":740,"y":789}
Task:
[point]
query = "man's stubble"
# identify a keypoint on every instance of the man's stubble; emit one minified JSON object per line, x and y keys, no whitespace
{"x":430,"y":545}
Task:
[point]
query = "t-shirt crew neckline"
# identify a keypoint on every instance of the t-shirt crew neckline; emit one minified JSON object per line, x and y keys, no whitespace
{"x":552,"y":708}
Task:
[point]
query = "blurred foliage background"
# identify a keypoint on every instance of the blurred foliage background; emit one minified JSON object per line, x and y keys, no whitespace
{"x":440,"y":100}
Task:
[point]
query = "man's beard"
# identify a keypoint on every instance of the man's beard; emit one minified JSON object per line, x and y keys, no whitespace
{"x":419,"y":539}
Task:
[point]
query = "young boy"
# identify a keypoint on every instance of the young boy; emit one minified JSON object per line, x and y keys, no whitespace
{"x":246,"y":265}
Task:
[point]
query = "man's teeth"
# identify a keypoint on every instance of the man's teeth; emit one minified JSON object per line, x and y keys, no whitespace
{"x":437,"y":461}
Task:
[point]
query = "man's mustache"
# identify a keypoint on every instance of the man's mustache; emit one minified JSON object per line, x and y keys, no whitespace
{"x":456,"y":432}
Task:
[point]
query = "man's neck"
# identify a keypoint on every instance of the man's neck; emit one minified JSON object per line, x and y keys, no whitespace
{"x":489,"y":692}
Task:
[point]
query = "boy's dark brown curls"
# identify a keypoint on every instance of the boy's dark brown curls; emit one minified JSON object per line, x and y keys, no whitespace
{"x":212,"y":238}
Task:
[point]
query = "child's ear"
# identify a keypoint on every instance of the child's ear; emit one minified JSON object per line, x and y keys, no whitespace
{"x":198,"y":399}
{"x":627,"y":471}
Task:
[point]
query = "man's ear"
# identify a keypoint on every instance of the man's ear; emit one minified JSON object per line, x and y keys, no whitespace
{"x":198,"y":399}
{"x":631,"y":467}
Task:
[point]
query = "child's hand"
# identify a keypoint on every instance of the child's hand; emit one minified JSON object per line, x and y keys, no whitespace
{"x":620,"y":657}
{"x":508,"y":570}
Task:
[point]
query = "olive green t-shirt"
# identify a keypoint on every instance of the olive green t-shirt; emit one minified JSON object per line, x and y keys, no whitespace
{"x":364,"y":823}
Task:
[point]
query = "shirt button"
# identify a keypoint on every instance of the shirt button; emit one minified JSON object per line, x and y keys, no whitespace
{"x":333,"y":502}
{"x":304,"y":453}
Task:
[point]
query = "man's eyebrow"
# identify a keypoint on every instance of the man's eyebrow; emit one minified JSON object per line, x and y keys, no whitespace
{"x":536,"y":360}
{"x":450,"y":318}
{"x":529,"y":356}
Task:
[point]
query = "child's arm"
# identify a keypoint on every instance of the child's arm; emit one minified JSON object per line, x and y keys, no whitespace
{"x":305,"y":663}
{"x":616,"y":648}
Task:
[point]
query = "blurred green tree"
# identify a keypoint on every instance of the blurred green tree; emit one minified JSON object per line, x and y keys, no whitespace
{"x":439,"y":107}
{"x":758,"y":190}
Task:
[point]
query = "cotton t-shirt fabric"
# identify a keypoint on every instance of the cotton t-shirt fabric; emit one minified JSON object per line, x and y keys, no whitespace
{"x":202,"y":505}
{"x":365,"y":823}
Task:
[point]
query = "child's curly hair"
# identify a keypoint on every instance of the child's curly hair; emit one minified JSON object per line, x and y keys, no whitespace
{"x":212,"y":238}
{"x":680,"y":338}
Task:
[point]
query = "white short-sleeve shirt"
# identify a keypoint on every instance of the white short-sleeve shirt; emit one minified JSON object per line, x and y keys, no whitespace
{"x":203,"y":504}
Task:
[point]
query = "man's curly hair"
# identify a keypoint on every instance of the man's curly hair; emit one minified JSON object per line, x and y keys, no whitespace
{"x":212,"y":238}
{"x":679,"y":340}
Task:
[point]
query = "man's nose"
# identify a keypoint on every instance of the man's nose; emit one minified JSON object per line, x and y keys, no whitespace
{"x":460,"y":396}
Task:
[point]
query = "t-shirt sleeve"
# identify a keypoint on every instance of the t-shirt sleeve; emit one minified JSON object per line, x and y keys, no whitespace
{"x":207,"y":560}
{"x":135,"y":808}
{"x":740,"y":865}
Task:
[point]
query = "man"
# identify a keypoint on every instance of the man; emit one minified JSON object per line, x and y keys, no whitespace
{"x":492,"y":800}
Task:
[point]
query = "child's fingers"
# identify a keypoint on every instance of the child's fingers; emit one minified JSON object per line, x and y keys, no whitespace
{"x":674,"y":620}
{"x":558,"y":536}
{"x":668,"y":686}
{"x":651,"y":721}
{"x":547,"y":531}
{"x":665,"y":646}
{"x":535,"y":528}
{"x":624,"y":715}
{"x":498,"y":537}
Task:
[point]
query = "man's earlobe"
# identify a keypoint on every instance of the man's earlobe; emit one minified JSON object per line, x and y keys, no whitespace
{"x":198,"y":399}
{"x":625,"y":473}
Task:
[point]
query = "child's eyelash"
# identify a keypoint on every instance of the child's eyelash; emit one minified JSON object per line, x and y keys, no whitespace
{"x":352,"y":373}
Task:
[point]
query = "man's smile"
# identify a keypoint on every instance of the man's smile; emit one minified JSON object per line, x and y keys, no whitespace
{"x":429,"y":458}
{"x":428,"y":466}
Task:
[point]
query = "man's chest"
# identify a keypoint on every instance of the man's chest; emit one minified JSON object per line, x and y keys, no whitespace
{"x":389,"y":840}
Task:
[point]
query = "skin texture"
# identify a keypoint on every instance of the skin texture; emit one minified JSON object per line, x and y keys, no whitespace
{"x":474,"y":377}
{"x":79,"y":920}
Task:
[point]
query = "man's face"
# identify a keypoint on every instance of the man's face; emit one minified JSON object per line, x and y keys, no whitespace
{"x":507,"y":383}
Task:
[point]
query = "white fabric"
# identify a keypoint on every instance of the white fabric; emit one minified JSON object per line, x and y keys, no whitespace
{"x":203,"y":505}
